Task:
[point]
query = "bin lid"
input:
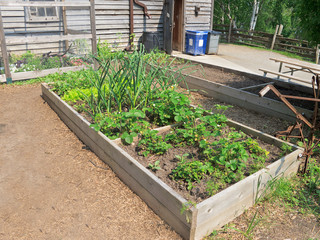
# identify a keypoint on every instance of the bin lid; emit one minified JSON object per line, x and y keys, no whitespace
{"x":200,"y":32}
{"x":215,"y":32}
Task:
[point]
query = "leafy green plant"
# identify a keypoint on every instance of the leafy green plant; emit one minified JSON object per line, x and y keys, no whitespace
{"x":168,"y":106}
{"x":131,"y":80}
{"x":190,"y":171}
{"x":126,"y":125}
{"x":32,"y":62}
{"x":285,"y":149}
{"x":154,"y":167}
{"x":151,"y":142}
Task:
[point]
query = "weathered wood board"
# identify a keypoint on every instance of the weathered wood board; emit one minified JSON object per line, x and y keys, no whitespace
{"x":198,"y":221}
{"x":242,"y":98}
{"x":41,"y":73}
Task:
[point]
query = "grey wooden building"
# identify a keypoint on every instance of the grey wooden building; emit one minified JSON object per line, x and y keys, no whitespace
{"x":169,"y":21}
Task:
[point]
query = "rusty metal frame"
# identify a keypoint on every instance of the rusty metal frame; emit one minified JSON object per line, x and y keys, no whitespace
{"x":311,"y":142}
{"x":146,"y":13}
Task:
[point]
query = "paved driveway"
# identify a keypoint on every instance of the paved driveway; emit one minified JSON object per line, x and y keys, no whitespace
{"x":243,"y":58}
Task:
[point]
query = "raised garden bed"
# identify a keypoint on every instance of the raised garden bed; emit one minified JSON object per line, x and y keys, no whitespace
{"x":241,"y":89}
{"x":197,"y":220}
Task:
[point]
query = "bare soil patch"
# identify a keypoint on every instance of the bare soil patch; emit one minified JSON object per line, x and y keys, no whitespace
{"x":220,"y":76}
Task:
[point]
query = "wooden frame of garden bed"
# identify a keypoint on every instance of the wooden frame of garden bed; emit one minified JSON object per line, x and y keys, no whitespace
{"x":243,"y":98}
{"x":197,"y":221}
{"x":20,"y":76}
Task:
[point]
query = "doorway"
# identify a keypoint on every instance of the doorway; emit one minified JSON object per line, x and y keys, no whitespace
{"x":178,"y":25}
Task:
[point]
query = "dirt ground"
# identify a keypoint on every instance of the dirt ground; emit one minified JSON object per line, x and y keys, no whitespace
{"x":49,"y":186}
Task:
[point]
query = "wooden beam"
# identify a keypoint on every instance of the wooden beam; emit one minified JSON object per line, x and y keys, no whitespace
{"x":65,"y":26}
{"x":37,"y":39}
{"x":21,"y":76}
{"x":4,"y":52}
{"x":93,"y":32}
{"x":44,"y":4}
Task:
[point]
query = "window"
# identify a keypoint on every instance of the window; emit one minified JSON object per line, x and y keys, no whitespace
{"x":43,"y":13}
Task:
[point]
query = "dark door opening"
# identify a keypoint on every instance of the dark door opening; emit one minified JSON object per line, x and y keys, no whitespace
{"x":178,"y":20}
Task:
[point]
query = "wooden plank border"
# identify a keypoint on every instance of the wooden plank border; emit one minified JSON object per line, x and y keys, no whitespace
{"x":20,"y":76}
{"x":291,"y":85}
{"x":196,"y":222}
{"x":242,"y":98}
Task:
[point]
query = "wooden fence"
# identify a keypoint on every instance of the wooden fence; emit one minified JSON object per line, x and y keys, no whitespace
{"x":36,"y":39}
{"x":270,"y":41}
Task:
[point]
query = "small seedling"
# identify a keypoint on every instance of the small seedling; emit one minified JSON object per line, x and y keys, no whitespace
{"x":154,"y":167}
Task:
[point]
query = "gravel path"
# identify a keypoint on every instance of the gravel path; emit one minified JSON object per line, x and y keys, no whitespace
{"x":49,"y":186}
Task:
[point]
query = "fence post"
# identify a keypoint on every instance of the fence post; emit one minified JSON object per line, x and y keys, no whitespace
{"x":274,"y":37}
{"x":4,"y":52}
{"x":317,"y":54}
{"x":230,"y":30}
{"x":65,"y":26}
{"x":93,"y":32}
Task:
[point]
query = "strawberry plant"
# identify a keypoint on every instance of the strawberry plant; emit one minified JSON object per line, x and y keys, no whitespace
{"x":151,"y":142}
{"x":190,"y":171}
{"x":154,"y":167}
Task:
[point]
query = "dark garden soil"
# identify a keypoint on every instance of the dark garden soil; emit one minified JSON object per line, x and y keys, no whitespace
{"x":220,"y":76}
{"x":168,"y":162}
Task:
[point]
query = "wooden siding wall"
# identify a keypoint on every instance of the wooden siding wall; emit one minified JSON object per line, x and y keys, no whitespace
{"x":113,"y":26}
{"x":15,"y":23}
{"x":203,"y":20}
{"x":112,"y":23}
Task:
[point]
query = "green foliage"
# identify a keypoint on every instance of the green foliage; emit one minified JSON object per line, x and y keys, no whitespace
{"x":64,"y":82}
{"x":299,"y":17}
{"x":308,"y":13}
{"x":285,"y":149}
{"x":126,"y":125}
{"x":151,"y":142}
{"x":132,"y":79}
{"x":32,"y":62}
{"x":302,"y":193}
{"x":190,"y":171}
{"x":154,"y":167}
{"x":225,"y":159}
{"x":168,"y":106}
{"x":74,"y":95}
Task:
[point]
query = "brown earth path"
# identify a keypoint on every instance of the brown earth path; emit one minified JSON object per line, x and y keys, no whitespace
{"x":49,"y":189}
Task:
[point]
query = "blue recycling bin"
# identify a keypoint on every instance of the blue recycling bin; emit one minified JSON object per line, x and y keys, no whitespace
{"x":196,"y":42}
